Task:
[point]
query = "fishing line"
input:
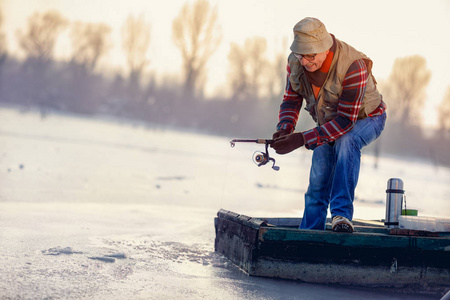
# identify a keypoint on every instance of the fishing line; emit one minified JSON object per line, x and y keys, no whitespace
{"x":241,"y":154}
{"x":225,"y":181}
{"x":259,"y":158}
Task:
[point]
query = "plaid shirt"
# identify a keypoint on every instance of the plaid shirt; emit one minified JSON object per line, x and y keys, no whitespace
{"x":354,"y":88}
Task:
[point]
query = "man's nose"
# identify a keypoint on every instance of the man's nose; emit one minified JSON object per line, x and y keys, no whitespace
{"x":304,"y":62}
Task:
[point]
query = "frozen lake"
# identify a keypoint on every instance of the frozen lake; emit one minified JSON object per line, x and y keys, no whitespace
{"x":75,"y":190}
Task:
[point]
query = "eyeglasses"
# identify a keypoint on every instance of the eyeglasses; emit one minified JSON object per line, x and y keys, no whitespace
{"x":308,"y":57}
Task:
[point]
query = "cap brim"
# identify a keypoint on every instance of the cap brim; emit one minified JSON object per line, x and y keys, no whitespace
{"x":311,"y":47}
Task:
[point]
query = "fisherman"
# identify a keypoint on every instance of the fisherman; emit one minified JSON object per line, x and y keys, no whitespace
{"x":341,"y":95}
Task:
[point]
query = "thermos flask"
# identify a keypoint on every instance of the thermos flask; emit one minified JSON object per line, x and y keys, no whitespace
{"x":394,"y":202}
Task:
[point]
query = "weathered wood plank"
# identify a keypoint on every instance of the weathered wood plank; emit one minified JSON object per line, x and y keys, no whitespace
{"x":364,"y":240}
{"x":254,"y":223}
{"x":283,"y":222}
{"x":412,"y":232}
{"x":371,"y":223}
{"x":313,"y":252}
{"x":409,"y":279}
{"x":359,"y":225}
{"x":236,"y":242}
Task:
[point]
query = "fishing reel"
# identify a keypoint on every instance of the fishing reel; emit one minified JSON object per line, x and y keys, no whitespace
{"x":260,"y":158}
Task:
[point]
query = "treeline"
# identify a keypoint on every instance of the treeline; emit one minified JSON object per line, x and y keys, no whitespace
{"x":250,"y":110}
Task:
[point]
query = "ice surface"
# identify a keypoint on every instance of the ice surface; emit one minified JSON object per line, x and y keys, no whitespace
{"x":79,"y":188}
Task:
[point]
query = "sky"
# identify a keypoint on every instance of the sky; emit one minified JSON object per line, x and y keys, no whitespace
{"x":384,"y":30}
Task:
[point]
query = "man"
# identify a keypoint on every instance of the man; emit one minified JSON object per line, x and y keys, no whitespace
{"x":340,"y":92}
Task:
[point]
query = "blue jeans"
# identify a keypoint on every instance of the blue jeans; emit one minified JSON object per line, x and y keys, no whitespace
{"x":335,"y":171}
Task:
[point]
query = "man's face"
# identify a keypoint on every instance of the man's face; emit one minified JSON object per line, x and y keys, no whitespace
{"x":316,"y":63}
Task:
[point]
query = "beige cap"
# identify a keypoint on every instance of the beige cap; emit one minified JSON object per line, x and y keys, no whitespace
{"x":311,"y":36}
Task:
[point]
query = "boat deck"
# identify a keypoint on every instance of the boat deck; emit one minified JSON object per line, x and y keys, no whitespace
{"x":372,"y":256}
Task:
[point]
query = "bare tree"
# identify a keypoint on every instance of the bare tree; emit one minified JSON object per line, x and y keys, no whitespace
{"x":444,"y":115}
{"x":39,"y":40}
{"x":405,"y":89}
{"x":135,"y":43}
{"x":196,"y":32}
{"x":237,"y":75}
{"x":90,"y":42}
{"x":278,"y":73}
{"x":249,"y":68}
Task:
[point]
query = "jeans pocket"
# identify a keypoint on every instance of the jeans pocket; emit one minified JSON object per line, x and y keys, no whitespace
{"x":379,"y":123}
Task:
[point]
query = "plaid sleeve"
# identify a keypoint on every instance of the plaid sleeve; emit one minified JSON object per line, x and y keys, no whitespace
{"x":290,"y":106}
{"x":354,"y":88}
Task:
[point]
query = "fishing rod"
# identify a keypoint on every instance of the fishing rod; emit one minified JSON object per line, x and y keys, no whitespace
{"x":259,"y":158}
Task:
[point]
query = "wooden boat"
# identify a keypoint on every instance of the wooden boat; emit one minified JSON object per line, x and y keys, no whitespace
{"x":372,"y":256}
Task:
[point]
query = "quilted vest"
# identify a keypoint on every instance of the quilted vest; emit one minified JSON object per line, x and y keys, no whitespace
{"x":324,"y":108}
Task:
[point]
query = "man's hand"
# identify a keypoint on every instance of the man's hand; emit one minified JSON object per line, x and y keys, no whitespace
{"x":279,"y":133}
{"x":288,"y":143}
